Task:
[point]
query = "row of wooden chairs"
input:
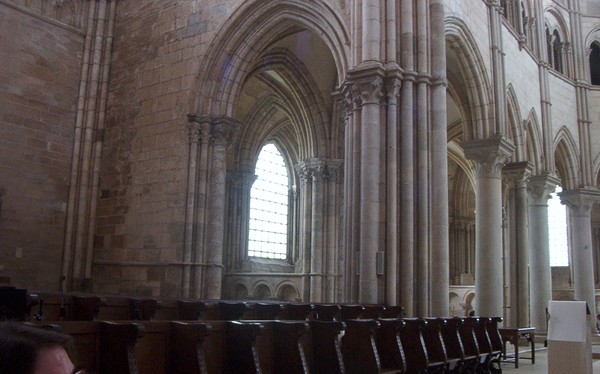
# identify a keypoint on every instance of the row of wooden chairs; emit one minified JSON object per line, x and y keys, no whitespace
{"x":365,"y":346}
{"x":18,"y":304}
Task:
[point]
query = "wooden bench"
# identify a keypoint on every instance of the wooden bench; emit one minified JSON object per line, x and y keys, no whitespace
{"x":325,"y":340}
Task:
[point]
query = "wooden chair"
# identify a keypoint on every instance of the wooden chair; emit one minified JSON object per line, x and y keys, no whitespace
{"x":241,"y":354}
{"x":413,"y":344}
{"x":232,"y":310}
{"x":389,"y":345}
{"x":326,"y":352}
{"x":455,"y":349}
{"x":288,"y":352}
{"x":266,"y":311}
{"x":117,"y":347}
{"x":360,"y":349}
{"x":186,"y":353}
{"x":327,"y":312}
{"x":142,"y":309}
{"x":85,"y":307}
{"x":373,"y":311}
{"x":297,"y":311}
{"x":434,"y":343}
{"x":348,"y":311}
{"x":190,"y":310}
{"x":394,"y":311}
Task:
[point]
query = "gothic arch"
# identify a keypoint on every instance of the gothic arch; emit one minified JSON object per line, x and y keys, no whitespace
{"x":231,"y":57}
{"x":567,"y":164}
{"x":468,"y":78}
{"x":287,"y":291}
{"x":534,"y":142}
{"x":516,"y":132}
{"x":291,"y":93}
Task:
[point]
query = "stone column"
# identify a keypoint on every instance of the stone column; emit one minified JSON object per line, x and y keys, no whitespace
{"x":440,"y":248}
{"x":489,"y":156}
{"x":221,"y":132}
{"x":239,"y":189}
{"x":580,"y":203}
{"x":190,"y":207}
{"x":540,"y":273}
{"x":314,"y":170}
{"x":517,"y":175}
{"x":205,"y":215}
{"x":333,"y":178}
{"x":369,"y":92}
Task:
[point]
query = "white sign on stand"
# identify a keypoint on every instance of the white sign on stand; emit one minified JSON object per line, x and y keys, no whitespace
{"x":569,"y":338}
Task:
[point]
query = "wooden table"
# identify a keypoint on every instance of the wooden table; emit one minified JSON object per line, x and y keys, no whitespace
{"x":513,"y":335}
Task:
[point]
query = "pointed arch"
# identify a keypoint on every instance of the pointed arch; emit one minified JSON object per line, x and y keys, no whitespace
{"x":230,"y":57}
{"x":469,"y":79}
{"x":534,"y":146}
{"x":566,"y":160}
{"x":516,"y":132}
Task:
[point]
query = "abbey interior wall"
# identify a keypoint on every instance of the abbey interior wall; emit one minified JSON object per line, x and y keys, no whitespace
{"x":157,"y":54}
{"x":40,"y":58}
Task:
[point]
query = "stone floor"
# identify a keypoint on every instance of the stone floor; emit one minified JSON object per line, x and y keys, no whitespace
{"x":541,"y":361}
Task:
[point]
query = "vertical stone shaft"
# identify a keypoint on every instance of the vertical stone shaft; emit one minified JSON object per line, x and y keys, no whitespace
{"x":540,"y":276}
{"x":370,"y":198}
{"x":580,"y":203}
{"x":517,"y":175}
{"x":489,"y":156}
{"x":422,"y":189}
{"x":439,"y":259}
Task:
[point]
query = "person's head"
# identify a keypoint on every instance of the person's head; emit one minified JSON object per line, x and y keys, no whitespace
{"x":26,"y":349}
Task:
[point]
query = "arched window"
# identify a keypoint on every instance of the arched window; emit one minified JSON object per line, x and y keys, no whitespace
{"x":595,"y":63}
{"x":557,"y":230}
{"x":554,"y":47}
{"x":269,"y":197}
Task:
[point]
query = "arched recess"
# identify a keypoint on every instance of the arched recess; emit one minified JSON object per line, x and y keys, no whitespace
{"x":565,"y":156}
{"x":533,"y":142}
{"x":592,"y":43}
{"x":287,"y":291}
{"x":262,"y":24}
{"x":461,"y":210}
{"x":274,"y":68}
{"x":515,"y":131}
{"x":558,"y":40}
{"x":468,"y":79}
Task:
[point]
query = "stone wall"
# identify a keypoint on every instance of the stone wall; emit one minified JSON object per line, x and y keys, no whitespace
{"x":40,"y":52}
{"x":157,"y":53}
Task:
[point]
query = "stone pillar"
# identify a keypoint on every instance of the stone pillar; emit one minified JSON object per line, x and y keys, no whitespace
{"x":580,"y":203}
{"x":239,"y":189}
{"x":313,"y":170}
{"x":489,"y":156}
{"x":208,"y":220}
{"x":221,"y":133}
{"x":517,"y":175}
{"x":540,"y":273}
{"x":190,"y":207}
{"x":368,"y":90}
{"x":393,"y":240}
{"x":439,"y":259}
{"x":333,"y":178}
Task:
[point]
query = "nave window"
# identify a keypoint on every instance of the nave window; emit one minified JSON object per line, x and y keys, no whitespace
{"x":269,"y":199}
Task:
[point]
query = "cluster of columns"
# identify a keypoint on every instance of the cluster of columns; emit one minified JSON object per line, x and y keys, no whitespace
{"x":202,"y":266}
{"x":396,"y":239}
{"x":87,"y":147}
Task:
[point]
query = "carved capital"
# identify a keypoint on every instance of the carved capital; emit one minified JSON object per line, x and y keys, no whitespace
{"x":315,"y":170}
{"x":517,"y":174}
{"x":580,"y":201}
{"x":489,"y":154}
{"x":217,"y":129}
{"x":368,"y":91}
{"x":540,"y":187}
